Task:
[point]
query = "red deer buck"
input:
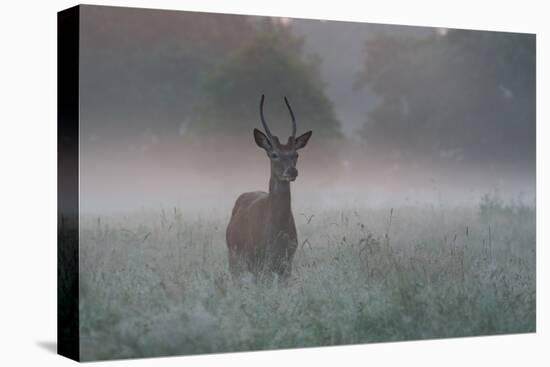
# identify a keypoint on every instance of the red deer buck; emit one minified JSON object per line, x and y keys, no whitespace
{"x":261,"y":235}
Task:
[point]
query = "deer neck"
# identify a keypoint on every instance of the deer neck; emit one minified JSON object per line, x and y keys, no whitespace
{"x":279,"y":196}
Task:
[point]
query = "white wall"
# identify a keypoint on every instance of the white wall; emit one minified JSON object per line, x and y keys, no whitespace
{"x":28,"y":183}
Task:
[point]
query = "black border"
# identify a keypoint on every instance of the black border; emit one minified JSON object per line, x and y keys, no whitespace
{"x":68,"y":35}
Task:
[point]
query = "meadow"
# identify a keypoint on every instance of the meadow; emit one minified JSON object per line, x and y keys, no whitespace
{"x":156,"y":282}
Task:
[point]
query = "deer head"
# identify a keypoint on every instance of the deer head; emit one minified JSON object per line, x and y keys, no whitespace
{"x":283,"y":157}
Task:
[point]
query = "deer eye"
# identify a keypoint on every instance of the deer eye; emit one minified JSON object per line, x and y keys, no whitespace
{"x":274,"y":155}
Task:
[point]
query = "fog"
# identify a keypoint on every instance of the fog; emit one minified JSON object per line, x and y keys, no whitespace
{"x":169,"y":101}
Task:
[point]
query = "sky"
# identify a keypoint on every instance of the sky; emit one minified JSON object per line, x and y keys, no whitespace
{"x":138,"y":85}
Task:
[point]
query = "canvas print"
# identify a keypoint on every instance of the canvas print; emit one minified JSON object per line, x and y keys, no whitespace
{"x":239,"y":183}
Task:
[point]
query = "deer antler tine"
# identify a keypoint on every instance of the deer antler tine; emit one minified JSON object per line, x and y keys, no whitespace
{"x":263,"y":119}
{"x":293,"y":118}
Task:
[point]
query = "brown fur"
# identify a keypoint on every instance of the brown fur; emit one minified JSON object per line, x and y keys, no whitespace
{"x":261,"y":234}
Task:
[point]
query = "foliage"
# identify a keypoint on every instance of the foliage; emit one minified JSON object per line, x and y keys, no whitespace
{"x":141,"y":69}
{"x":271,"y":63}
{"x":460,"y":95}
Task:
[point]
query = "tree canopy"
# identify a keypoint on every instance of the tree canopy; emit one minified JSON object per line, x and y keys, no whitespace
{"x":455,"y":95}
{"x":140,"y":69}
{"x":271,"y":63}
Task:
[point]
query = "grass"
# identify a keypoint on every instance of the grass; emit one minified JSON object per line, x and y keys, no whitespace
{"x":157,"y":283}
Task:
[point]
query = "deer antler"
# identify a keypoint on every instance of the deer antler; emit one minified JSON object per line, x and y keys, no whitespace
{"x":293,"y":119}
{"x":269,"y":136}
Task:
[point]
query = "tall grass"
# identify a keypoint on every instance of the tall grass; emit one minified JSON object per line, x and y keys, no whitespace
{"x":157,"y":283}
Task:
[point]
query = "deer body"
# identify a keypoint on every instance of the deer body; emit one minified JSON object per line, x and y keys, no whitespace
{"x":261,"y":234}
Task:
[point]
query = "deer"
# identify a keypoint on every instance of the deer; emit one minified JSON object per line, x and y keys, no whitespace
{"x":261,"y":235}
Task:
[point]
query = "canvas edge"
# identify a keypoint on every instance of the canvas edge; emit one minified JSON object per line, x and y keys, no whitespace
{"x":68,"y":42}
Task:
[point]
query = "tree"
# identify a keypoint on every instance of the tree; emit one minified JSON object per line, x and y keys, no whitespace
{"x":271,"y":63}
{"x":140,"y":68}
{"x":456,"y":95}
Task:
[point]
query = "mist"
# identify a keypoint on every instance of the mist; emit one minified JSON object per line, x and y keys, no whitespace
{"x":167,"y":119}
{"x":412,"y":216}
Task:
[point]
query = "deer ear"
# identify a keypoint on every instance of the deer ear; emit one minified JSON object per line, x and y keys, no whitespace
{"x":261,"y":140}
{"x":302,"y":140}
